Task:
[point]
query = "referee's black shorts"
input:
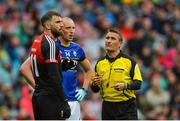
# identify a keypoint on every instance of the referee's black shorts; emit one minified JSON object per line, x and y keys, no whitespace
{"x":126,"y":110}
{"x":50,"y":107}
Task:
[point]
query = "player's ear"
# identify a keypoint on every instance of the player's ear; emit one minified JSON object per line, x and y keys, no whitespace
{"x":47,"y":25}
{"x":121,"y":42}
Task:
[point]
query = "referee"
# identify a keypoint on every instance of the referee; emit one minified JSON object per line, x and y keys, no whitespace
{"x":117,"y":77}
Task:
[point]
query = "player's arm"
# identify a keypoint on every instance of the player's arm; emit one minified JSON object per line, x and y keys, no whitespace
{"x":51,"y":55}
{"x":89,"y":72}
{"x":26,"y":71}
{"x":82,"y":92}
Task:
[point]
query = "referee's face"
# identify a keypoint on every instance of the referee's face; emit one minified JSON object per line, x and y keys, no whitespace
{"x":112,"y":42}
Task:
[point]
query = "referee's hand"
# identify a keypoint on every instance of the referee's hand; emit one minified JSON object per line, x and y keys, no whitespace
{"x":119,"y":86}
{"x":96,"y":80}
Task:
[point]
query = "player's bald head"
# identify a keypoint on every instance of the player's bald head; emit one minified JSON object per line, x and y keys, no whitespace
{"x":67,"y":20}
{"x":68,"y":29}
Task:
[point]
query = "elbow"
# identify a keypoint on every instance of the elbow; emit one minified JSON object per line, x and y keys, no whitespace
{"x":21,"y":69}
{"x":138,"y":87}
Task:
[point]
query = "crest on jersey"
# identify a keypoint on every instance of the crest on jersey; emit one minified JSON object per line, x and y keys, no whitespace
{"x":74,"y":53}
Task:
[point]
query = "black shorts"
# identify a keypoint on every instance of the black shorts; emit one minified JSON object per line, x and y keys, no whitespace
{"x":50,"y":107}
{"x":126,"y":110}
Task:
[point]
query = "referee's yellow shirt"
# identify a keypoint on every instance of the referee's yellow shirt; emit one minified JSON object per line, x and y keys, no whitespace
{"x":121,"y":69}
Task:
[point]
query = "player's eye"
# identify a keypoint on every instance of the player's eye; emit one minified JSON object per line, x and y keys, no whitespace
{"x":68,"y":27}
{"x":107,"y":37}
{"x":113,"y":38}
{"x":58,"y":21}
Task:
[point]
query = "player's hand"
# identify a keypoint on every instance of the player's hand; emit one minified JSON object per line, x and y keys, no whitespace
{"x":80,"y":94}
{"x":67,"y":64}
{"x":66,"y":110}
{"x":119,"y":86}
{"x":96,"y":80}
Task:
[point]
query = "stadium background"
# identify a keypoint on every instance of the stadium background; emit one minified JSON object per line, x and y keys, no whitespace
{"x":151,"y":30}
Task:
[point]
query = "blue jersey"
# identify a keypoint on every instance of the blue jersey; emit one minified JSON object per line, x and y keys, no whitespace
{"x":70,"y":81}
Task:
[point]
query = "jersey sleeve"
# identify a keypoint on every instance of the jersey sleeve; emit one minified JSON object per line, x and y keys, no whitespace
{"x":82,"y":54}
{"x":137,"y":73}
{"x":136,"y":77}
{"x":49,"y":50}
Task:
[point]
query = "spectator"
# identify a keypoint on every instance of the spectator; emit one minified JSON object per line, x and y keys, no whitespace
{"x":26,"y":101}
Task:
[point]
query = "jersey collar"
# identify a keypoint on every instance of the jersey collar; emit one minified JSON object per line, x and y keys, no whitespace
{"x":53,"y":38}
{"x":113,"y":59}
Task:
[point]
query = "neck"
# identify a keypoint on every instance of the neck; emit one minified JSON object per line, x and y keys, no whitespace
{"x":64,"y":42}
{"x":49,"y":33}
{"x":113,"y":54}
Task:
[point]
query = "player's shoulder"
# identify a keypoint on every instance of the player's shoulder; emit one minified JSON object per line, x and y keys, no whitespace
{"x":75,"y":46}
{"x":47,"y":42}
{"x":45,"y":37}
{"x":38,"y":38}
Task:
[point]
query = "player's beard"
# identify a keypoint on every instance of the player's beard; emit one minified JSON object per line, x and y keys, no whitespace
{"x":56,"y":33}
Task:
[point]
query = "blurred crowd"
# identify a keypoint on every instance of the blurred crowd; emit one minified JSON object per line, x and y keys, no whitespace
{"x":151,"y":30}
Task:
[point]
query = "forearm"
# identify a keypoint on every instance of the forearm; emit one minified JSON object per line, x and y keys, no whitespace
{"x":29,"y":78}
{"x":89,"y":72}
{"x":135,"y":85}
{"x":87,"y":78}
{"x":26,"y":71}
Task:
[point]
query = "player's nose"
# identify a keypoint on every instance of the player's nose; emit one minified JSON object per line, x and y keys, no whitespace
{"x":61,"y":24}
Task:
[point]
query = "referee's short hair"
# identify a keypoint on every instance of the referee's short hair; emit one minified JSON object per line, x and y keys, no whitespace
{"x":115,"y":30}
{"x":48,"y":16}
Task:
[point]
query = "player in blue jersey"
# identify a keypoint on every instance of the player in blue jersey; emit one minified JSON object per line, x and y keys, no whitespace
{"x":71,"y":55}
